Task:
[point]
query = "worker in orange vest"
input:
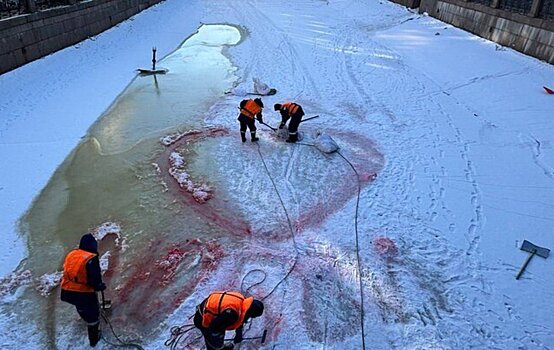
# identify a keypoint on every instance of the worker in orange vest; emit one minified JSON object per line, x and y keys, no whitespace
{"x":81,"y":280}
{"x":294,"y":112}
{"x":249,"y":111}
{"x":225,"y":311}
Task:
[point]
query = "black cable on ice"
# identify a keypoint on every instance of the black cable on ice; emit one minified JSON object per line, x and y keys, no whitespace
{"x":362,"y":314}
{"x":293,"y":236}
{"x":122,"y":344}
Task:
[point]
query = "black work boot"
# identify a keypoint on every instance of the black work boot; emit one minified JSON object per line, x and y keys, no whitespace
{"x":253,"y":136}
{"x":292,"y":138}
{"x":93,"y":334}
{"x":243,"y":137}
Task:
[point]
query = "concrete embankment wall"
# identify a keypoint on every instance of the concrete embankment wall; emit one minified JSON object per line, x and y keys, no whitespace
{"x":28,"y":37}
{"x":524,"y":25}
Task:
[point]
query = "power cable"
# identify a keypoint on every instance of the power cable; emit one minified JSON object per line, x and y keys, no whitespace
{"x":362,"y":313}
{"x":121,"y":343}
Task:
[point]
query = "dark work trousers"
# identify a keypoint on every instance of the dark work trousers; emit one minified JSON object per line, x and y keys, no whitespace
{"x":246,"y":122}
{"x":213,"y":341}
{"x":88,"y":307}
{"x":295,"y":120}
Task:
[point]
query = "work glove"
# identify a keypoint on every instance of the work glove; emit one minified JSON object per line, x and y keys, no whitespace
{"x":237,"y":339}
{"x":260,"y":119}
{"x":101,"y":287}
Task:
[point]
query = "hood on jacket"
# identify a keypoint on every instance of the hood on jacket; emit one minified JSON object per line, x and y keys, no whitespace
{"x":88,"y":243}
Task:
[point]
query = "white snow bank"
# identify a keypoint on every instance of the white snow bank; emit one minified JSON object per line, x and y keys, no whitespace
{"x":200,"y":192}
{"x":168,"y":140}
{"x":258,"y":88}
{"x":105,"y":229}
{"x":10,"y":283}
{"x":48,"y":282}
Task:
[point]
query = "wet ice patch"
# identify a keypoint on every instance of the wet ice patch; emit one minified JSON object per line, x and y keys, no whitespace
{"x":200,"y":192}
{"x":48,"y":282}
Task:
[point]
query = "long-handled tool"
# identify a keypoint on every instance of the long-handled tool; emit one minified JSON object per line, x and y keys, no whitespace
{"x":262,"y":337}
{"x":305,"y":120}
{"x":269,"y":126}
{"x":106,"y":303}
{"x":532,"y":250}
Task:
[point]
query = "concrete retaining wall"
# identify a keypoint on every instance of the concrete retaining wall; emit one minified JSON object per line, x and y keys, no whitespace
{"x":525,"y":33}
{"x":31,"y":36}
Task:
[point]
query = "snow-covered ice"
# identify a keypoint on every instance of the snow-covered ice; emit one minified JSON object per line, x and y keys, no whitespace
{"x":452,"y":140}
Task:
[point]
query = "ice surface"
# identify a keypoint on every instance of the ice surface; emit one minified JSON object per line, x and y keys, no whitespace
{"x":450,"y":137}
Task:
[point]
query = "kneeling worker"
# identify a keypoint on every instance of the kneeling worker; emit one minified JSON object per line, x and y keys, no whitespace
{"x":81,"y":279}
{"x":225,"y":311}
{"x":294,"y":112}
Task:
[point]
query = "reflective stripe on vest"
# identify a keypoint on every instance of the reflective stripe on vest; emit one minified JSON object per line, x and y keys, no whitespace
{"x":75,"y":271}
{"x":218,"y":302}
{"x":250,"y":109}
{"x":291,"y":107}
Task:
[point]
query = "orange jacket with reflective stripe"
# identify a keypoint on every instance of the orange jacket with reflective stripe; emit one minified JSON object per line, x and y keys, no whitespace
{"x":217,"y":302}
{"x":75,"y":271}
{"x":290,"y":107}
{"x":250,"y":109}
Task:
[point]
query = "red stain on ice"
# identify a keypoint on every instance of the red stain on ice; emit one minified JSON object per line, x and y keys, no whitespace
{"x":367,"y":160}
{"x":163,"y":276}
{"x":150,"y":291}
{"x":212,"y":209}
{"x":385,"y":247}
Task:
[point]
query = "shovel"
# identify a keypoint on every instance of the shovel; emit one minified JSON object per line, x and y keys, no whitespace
{"x":533,"y":250}
{"x":269,"y":126}
{"x":305,"y":120}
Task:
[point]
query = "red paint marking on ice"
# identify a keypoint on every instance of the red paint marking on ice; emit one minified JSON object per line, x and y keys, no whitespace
{"x":327,"y":289}
{"x":367,"y":160}
{"x":213,"y":209}
{"x":147,"y":296}
{"x":385,"y":246}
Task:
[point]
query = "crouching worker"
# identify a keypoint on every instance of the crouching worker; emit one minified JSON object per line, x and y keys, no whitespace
{"x":294,"y":112}
{"x":81,"y":279}
{"x":250,"y":109}
{"x":225,"y":311}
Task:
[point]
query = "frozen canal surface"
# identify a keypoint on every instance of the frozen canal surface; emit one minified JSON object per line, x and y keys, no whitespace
{"x":451,"y":137}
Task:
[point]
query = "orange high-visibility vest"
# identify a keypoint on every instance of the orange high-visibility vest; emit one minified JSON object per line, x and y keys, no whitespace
{"x":291,"y":107}
{"x":250,"y":109}
{"x":75,"y":271}
{"x":218,"y":302}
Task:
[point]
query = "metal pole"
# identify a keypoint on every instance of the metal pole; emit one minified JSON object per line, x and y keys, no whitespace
{"x":30,"y":6}
{"x":535,"y":8}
